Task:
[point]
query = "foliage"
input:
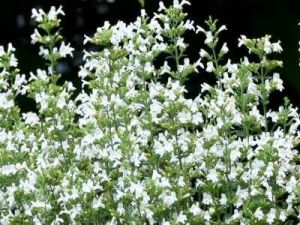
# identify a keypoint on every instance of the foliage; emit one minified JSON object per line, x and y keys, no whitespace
{"x":130,"y":148}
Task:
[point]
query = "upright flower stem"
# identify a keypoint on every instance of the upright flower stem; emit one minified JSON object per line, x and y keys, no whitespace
{"x":264,"y":97}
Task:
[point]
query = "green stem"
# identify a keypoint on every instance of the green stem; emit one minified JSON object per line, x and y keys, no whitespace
{"x":264,"y":98}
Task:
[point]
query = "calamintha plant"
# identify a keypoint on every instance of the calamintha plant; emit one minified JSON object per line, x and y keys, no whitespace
{"x":130,"y":148}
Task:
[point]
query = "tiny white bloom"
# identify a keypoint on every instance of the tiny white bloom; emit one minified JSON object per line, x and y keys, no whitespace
{"x":277,"y":47}
{"x":209,"y":38}
{"x":53,"y":13}
{"x":267,"y":46}
{"x":30,"y":118}
{"x":181,"y":218}
{"x":282,"y":216}
{"x":168,"y":198}
{"x":207,"y":199}
{"x":195,"y":209}
{"x":271,"y":216}
{"x":65,"y":50}
{"x":242,"y":40}
{"x":277,"y":81}
{"x":210,"y":67}
{"x":161,"y":6}
{"x":213,"y":176}
{"x":37,"y":15}
{"x":223,"y":200}
{"x":259,"y":214}
{"x":222,"y":28}
{"x":224,"y":48}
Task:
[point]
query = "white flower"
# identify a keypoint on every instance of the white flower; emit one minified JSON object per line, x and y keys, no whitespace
{"x":97,"y":203}
{"x":88,"y":186}
{"x":209,"y":38}
{"x":35,"y":37}
{"x":213,"y":176}
{"x":271,"y":216}
{"x":267,"y":46}
{"x":43,"y":51}
{"x":5,"y":102}
{"x":235,"y":154}
{"x":273,"y":115}
{"x":184,"y":117}
{"x":181,"y":218}
{"x":149,"y":68}
{"x":277,"y":81}
{"x":180,"y":43}
{"x":65,"y":50}
{"x":10,"y":169}
{"x":31,"y":118}
{"x":205,"y":87}
{"x":197,"y":64}
{"x":241,"y":194}
{"x":57,"y":221}
{"x":242,"y":40}
{"x":207,"y":216}
{"x":73,"y":212}
{"x":120,"y":208}
{"x":222,"y":28}
{"x":189,"y":25}
{"x":256,"y":114}
{"x":164,"y":222}
{"x":42,"y":98}
{"x":236,"y":214}
{"x":19,"y":84}
{"x":291,"y":184}
{"x":269,"y":170}
{"x":87,"y":39}
{"x":259,"y":214}
{"x":203,"y":53}
{"x":207,"y":199}
{"x":37,"y":221}
{"x":53,"y":13}
{"x":168,"y":198}
{"x":161,"y":6}
{"x":223,"y":200}
{"x":197,"y":118}
{"x":277,"y":47}
{"x":41,"y":75}
{"x":210,"y":67}
{"x":2,"y":51}
{"x":164,"y":183}
{"x":177,"y":4}
{"x":137,"y":189}
{"x":143,"y":13}
{"x":200,"y":29}
{"x":13,"y":62}
{"x":37,"y":15}
{"x":165,"y":68}
{"x":181,"y":182}
{"x":282,"y":216}
{"x":5,"y":220}
{"x":195,"y":209}
{"x":224,"y":48}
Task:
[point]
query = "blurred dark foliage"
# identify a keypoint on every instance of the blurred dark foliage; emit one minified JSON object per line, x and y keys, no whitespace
{"x":253,"y":18}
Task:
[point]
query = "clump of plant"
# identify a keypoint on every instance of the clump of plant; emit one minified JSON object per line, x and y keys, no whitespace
{"x":130,"y":148}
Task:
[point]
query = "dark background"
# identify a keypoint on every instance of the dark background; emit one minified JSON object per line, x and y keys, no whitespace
{"x":253,"y":18}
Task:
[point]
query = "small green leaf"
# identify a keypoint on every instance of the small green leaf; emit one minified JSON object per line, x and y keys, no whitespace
{"x":142,"y":2}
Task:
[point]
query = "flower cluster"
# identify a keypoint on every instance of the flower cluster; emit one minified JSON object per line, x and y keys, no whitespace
{"x":130,"y":148}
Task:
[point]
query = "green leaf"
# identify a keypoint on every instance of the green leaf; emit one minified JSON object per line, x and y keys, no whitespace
{"x":142,"y":2}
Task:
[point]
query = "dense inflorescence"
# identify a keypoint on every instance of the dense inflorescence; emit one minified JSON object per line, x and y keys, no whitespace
{"x":130,"y":148}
